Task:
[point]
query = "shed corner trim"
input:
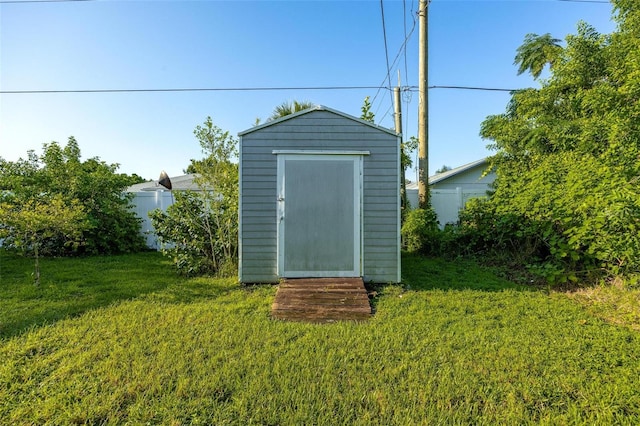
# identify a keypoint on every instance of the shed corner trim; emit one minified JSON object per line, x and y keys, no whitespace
{"x":318,"y":152}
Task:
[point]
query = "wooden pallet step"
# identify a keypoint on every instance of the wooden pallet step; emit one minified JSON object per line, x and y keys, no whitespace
{"x":321,"y":304}
{"x":284,"y":304}
{"x":318,"y":308}
{"x":325,"y":287}
{"x":330,"y":287}
{"x":311,"y":311}
{"x":301,"y":294}
{"x":321,"y":318}
{"x":321,"y":300}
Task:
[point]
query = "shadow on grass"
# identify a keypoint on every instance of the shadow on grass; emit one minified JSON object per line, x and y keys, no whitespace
{"x":420,"y":273}
{"x":428,"y":273}
{"x":72,"y":286}
{"x":192,"y":290}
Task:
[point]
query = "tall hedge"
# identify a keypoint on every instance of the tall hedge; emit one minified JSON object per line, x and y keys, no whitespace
{"x":568,"y":153}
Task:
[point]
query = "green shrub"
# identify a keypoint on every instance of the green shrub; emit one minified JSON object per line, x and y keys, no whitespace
{"x":109,"y":223}
{"x":188,"y":232}
{"x":420,"y":232}
{"x":200,"y":230}
{"x":567,"y":154}
{"x":539,"y":246}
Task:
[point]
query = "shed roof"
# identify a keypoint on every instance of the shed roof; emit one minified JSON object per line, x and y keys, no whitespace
{"x":311,"y":110}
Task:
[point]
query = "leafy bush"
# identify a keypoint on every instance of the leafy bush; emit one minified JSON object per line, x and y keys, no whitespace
{"x":420,"y":232}
{"x":518,"y":241}
{"x":188,"y":233}
{"x":200,"y":230}
{"x":567,"y":193}
{"x":91,"y":188}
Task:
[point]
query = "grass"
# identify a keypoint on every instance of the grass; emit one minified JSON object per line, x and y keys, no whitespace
{"x":616,"y":302}
{"x":72,"y":286}
{"x":455,"y":344}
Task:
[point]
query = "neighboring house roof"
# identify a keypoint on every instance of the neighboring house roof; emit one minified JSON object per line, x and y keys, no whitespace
{"x":449,"y":173}
{"x":484,"y":162}
{"x":178,"y":183}
{"x":310,"y":110}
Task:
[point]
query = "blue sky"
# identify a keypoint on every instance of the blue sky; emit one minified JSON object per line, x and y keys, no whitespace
{"x":121,"y":44}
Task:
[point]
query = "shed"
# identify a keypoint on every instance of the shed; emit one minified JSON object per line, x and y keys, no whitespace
{"x":451,"y":190}
{"x":319,"y":197}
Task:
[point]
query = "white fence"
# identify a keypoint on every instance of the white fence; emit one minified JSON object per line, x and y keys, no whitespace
{"x":143,"y":203}
{"x":447,"y":203}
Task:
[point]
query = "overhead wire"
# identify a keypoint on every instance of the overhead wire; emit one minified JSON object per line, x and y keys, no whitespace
{"x":585,"y":1}
{"x":187,"y":89}
{"x":386,"y":113}
{"x":42,"y":1}
{"x":402,"y":52}
{"x":78,"y":1}
{"x":488,"y":89}
{"x":404,"y":97}
{"x":407,"y":88}
{"x":386,"y":49}
{"x":393,"y":64}
{"x":406,"y":36}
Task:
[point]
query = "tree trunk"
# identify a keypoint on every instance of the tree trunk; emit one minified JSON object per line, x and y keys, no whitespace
{"x":36,"y":274}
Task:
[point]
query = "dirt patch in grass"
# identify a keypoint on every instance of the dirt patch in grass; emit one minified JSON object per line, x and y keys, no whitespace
{"x":615,"y":302}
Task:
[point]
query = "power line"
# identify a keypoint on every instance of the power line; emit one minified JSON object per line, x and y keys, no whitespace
{"x":386,"y":113}
{"x":386,"y":50}
{"x":77,"y":1}
{"x":488,"y":89}
{"x":406,"y":94}
{"x":406,"y":36}
{"x":41,"y":1}
{"x":188,"y":89}
{"x":585,"y":1}
{"x":402,"y":49}
{"x":512,"y":1}
{"x":384,"y":35}
{"x":247,"y":89}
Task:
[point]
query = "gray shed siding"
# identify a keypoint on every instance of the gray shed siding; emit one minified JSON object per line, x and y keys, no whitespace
{"x":319,"y":129}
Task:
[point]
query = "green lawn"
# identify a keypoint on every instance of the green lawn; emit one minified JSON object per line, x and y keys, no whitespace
{"x":122,"y":340}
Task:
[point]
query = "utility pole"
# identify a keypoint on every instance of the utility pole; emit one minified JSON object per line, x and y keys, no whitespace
{"x":398,"y":120}
{"x":423,"y":105}
{"x":397,"y":108}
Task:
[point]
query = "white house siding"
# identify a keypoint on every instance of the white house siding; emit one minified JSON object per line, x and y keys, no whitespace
{"x":319,"y":129}
{"x":149,"y":196}
{"x":145,"y":202}
{"x":451,"y":190}
{"x":469,"y":180}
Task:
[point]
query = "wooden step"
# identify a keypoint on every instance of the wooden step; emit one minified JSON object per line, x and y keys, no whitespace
{"x":321,"y":300}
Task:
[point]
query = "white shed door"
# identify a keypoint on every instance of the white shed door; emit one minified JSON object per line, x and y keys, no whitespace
{"x":319,"y":208}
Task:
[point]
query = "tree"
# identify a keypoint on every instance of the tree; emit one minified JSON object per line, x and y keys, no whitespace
{"x":406,"y":148}
{"x":92,"y":184}
{"x":567,"y":153}
{"x":536,"y":52}
{"x":288,"y":108}
{"x":443,"y":169}
{"x":31,"y":223}
{"x":200,"y":229}
{"x":367,"y":114}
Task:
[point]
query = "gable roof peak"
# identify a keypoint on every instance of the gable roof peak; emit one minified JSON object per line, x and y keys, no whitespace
{"x":313,"y":109}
